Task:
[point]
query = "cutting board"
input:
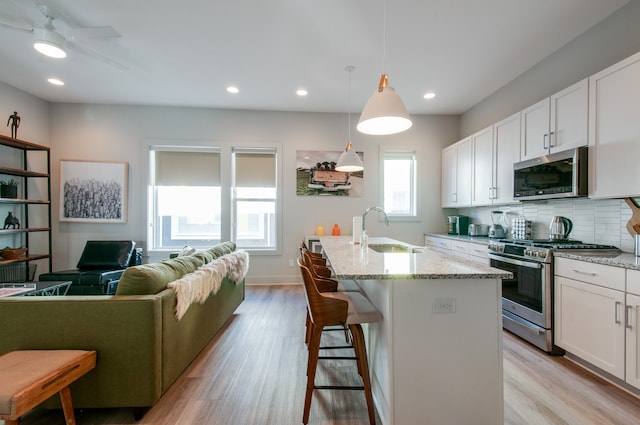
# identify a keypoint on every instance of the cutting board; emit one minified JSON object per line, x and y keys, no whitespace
{"x":633,"y":225}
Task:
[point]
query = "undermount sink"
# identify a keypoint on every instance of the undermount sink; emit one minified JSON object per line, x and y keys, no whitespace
{"x":385,"y":248}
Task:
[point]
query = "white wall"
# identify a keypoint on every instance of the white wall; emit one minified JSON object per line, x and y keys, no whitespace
{"x":612,"y":40}
{"x":120,"y":133}
{"x":33,"y":112}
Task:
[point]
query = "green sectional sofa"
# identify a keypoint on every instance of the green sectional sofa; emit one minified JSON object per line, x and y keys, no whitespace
{"x":142,"y":347}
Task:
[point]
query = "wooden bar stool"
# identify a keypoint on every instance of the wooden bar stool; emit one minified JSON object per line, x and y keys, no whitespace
{"x":347,"y":309}
{"x":29,"y":377}
{"x":325,"y":272}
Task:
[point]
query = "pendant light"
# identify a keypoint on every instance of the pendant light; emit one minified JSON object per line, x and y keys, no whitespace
{"x":349,"y":161}
{"x":385,"y":112}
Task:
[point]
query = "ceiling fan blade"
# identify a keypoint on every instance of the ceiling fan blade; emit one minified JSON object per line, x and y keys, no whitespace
{"x":99,"y":56}
{"x":12,"y":26}
{"x":94,"y":32}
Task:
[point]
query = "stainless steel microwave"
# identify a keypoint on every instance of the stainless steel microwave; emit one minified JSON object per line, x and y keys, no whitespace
{"x":557,"y":175}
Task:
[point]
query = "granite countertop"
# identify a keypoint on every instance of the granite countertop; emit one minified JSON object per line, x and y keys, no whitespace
{"x":349,"y":261}
{"x":623,"y":259}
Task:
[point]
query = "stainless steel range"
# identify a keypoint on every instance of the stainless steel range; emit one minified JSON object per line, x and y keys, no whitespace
{"x":527,"y":299}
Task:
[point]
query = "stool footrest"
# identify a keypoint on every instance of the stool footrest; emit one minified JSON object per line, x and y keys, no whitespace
{"x":336,"y":358}
{"x":336,"y":347}
{"x":338,"y":387}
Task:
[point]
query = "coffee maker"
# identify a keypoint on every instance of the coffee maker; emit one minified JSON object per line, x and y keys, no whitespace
{"x":458,"y":225}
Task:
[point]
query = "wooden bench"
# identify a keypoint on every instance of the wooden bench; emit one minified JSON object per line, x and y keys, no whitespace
{"x":29,"y":377}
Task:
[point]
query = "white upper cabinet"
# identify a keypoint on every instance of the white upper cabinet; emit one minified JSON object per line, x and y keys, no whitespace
{"x":557,"y":123}
{"x":456,"y":174}
{"x":483,"y":163}
{"x":614,"y":130}
{"x":495,"y":150}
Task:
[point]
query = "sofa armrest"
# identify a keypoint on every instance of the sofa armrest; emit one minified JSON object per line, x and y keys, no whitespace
{"x":125,"y":331}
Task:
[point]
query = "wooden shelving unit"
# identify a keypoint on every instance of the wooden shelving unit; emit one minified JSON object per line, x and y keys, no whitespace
{"x":25,"y":207}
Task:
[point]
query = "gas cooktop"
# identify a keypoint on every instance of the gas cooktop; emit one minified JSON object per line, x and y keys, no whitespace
{"x":556,"y":244}
{"x":541,"y":250}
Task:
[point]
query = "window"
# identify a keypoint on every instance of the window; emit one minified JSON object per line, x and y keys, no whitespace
{"x":399,"y":183}
{"x":185,"y":201}
{"x":254,"y":198}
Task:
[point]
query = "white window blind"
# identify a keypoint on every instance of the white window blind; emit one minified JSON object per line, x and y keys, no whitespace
{"x":255,"y":169}
{"x":192,"y":168}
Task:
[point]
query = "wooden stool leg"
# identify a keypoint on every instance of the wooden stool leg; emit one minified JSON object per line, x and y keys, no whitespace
{"x":358,"y":340}
{"x":67,"y":406}
{"x":312,"y":364}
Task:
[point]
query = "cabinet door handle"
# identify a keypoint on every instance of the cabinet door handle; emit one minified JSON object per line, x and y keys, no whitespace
{"x":585,"y":273}
{"x":490,"y":193}
{"x":552,"y":138}
{"x":544,"y":141}
{"x":617,"y":312}
{"x":627,"y":316}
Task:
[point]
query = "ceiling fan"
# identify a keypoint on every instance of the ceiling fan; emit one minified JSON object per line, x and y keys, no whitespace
{"x":53,"y":41}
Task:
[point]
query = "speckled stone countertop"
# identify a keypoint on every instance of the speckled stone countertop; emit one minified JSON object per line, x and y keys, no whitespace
{"x":624,"y":260}
{"x":349,"y":261}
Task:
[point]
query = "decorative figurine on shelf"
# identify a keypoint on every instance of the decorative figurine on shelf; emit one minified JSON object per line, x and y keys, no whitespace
{"x":11,"y":221}
{"x":15,"y":123}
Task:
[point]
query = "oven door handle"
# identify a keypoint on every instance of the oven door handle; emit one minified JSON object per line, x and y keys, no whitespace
{"x":510,"y":260}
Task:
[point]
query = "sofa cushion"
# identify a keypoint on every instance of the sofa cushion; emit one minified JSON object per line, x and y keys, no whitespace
{"x":223,"y":248}
{"x":204,"y":255}
{"x":149,"y":279}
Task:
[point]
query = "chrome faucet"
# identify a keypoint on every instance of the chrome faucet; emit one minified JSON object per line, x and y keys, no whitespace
{"x":364,"y":215}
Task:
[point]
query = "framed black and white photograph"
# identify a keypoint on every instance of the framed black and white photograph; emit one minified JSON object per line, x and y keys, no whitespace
{"x":93,"y":191}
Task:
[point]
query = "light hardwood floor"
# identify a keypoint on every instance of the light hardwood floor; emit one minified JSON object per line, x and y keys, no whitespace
{"x":253,"y":373}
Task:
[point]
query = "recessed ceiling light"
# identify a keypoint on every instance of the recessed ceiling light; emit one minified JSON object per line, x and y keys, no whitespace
{"x":302,"y":92}
{"x":56,"y":81}
{"x":233,"y":89}
{"x":429,"y":95}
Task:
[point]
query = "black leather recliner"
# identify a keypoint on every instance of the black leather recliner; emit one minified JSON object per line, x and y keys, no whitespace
{"x":99,"y":268}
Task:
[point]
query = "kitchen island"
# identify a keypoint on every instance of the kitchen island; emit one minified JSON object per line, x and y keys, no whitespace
{"x":436,"y":356}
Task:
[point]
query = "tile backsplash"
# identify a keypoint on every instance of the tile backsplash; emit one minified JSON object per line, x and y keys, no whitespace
{"x":601,"y":221}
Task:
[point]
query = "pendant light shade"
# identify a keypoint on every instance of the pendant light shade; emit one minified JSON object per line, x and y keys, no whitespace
{"x":385,"y":112}
{"x":349,"y":161}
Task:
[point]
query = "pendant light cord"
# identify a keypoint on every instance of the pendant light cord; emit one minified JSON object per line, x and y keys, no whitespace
{"x":384,"y":37}
{"x":349,"y":69}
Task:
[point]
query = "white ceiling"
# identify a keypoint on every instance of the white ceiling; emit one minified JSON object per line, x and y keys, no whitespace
{"x":185,"y":53}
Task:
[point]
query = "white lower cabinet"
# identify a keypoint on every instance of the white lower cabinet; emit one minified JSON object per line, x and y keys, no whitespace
{"x":442,"y":245}
{"x":459,"y":249}
{"x":473,"y":251}
{"x":589,"y":323}
{"x":597,"y":318}
{"x":632,"y":315}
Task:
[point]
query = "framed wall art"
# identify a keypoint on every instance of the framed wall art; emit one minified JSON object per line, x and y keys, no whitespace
{"x":93,"y":191}
{"x":316,"y":175}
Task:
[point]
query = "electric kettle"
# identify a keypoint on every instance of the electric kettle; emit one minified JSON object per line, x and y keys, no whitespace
{"x":560,"y":228}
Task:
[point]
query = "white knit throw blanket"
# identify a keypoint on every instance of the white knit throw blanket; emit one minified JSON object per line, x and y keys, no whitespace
{"x":197,"y":286}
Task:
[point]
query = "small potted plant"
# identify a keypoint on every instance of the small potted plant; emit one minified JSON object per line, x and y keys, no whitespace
{"x":9,"y":188}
